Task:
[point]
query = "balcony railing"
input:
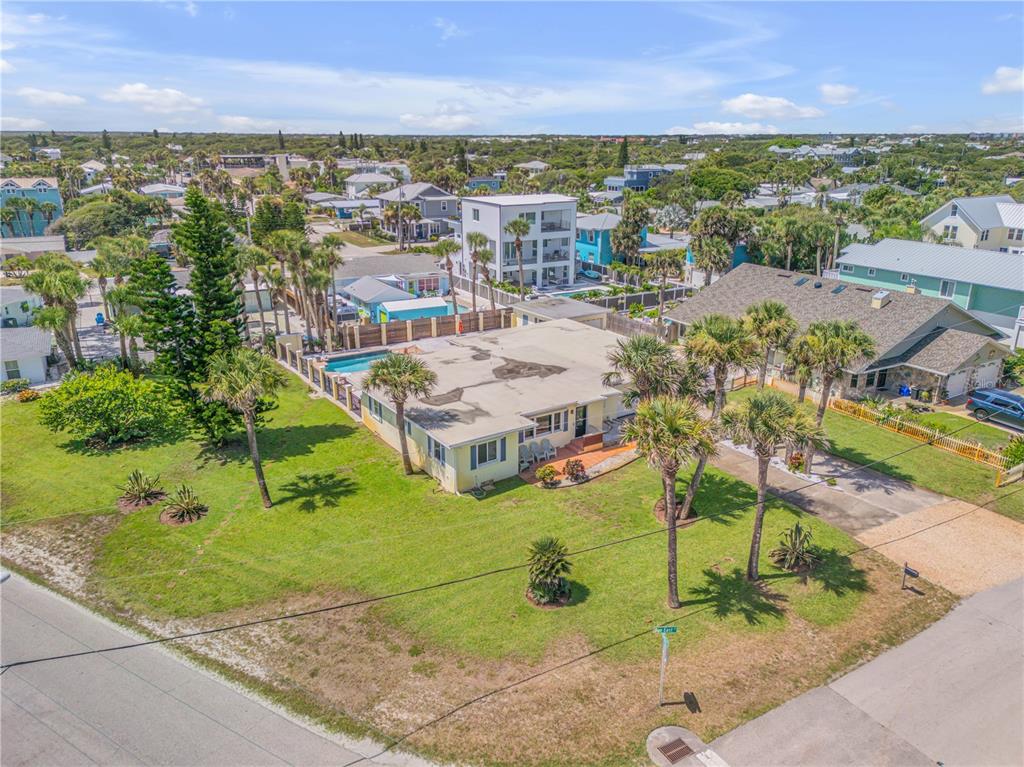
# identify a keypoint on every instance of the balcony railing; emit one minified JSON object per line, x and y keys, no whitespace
{"x":555,"y":226}
{"x":527,"y":260}
{"x":557,"y":255}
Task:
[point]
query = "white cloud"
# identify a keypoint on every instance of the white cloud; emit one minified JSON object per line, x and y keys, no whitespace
{"x":714,"y":128}
{"x":835,"y":93}
{"x":444,"y":123}
{"x":21,"y":123}
{"x":6,"y":66}
{"x":759,"y":107}
{"x":1005,"y":80}
{"x":39,"y":97}
{"x":243,"y":124}
{"x":155,"y":100}
{"x":449,"y":28}
{"x":191,"y":8}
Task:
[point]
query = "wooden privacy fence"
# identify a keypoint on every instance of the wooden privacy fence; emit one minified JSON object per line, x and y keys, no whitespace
{"x":972,"y":451}
{"x":403,"y":331}
{"x":625,"y":326}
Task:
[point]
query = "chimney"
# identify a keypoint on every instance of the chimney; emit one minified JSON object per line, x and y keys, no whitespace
{"x":880,"y":299}
{"x":913,"y":289}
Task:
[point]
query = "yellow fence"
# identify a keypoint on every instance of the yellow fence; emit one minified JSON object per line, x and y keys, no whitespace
{"x":972,"y":451}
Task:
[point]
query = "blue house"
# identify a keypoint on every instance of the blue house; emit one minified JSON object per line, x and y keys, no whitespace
{"x":31,"y":223}
{"x":639,"y":178}
{"x":414,"y":309}
{"x":369,"y":293}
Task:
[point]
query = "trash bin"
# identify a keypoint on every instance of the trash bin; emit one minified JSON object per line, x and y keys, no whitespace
{"x":99,"y":318}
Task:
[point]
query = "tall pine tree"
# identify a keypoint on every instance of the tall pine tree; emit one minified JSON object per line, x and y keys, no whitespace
{"x":624,"y":151}
{"x":168,"y":321}
{"x":206,"y":240}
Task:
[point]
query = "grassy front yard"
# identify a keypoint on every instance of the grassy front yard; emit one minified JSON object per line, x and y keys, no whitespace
{"x":990,"y":436}
{"x":346,"y":522}
{"x":362,"y":240}
{"x":927,"y":466}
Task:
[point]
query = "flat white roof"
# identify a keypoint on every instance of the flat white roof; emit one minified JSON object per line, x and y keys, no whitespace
{"x":414,"y":303}
{"x":520,"y":199}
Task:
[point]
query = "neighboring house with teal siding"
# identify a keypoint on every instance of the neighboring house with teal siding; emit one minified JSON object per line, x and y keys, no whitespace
{"x":594,"y":237}
{"x":46,"y":205}
{"x":988,"y":284}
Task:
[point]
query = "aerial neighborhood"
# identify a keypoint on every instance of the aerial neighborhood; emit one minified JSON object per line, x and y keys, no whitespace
{"x":429,"y":446}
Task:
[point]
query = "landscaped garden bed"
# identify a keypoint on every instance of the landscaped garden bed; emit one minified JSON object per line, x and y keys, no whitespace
{"x":347,"y":524}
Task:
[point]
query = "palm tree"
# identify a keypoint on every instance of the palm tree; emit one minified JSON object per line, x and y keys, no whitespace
{"x":241,"y":378}
{"x":250,"y":259}
{"x":120,"y":299}
{"x":711,"y":254}
{"x":445,"y":249}
{"x":7,"y":217}
{"x":48,"y":208}
{"x":519,"y":228}
{"x":484,"y":257}
{"x":16,"y":205}
{"x":765,"y":421}
{"x":401,"y":376}
{"x":277,"y":284}
{"x":800,"y":357}
{"x":663,"y":263}
{"x":57,"y":281}
{"x":130,"y":326}
{"x":476,"y":241}
{"x":669,"y":432}
{"x":650,"y":366}
{"x":55,"y":319}
{"x":772,"y":326}
{"x":716,"y":343}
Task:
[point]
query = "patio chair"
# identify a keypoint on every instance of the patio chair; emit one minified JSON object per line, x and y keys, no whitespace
{"x":524,"y":457}
{"x":547,"y":449}
{"x":536,"y":452}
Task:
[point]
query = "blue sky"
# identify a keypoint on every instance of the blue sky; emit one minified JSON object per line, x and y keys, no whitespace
{"x":505,"y":67}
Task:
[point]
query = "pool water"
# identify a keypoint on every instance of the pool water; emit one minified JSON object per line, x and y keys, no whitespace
{"x":355,"y":363}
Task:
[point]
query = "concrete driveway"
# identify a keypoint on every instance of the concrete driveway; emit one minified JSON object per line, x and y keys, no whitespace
{"x":139,"y":706}
{"x":952,"y":695}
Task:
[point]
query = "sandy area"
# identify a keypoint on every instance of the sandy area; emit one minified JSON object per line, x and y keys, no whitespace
{"x":963,"y":550}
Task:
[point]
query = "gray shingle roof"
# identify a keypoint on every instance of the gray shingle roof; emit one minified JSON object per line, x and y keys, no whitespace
{"x":24,"y":343}
{"x":946,"y":262}
{"x":14,"y":294}
{"x":942,"y":351}
{"x":372,"y":291}
{"x":749,"y":283}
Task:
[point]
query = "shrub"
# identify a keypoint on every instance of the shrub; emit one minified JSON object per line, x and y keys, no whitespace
{"x":796,"y":462}
{"x":185,"y":506}
{"x":1013,"y":452}
{"x":548,"y":475}
{"x":795,"y":551}
{"x":14,"y":385}
{"x":108,"y":406}
{"x":548,"y":566}
{"x":28,"y":395}
{"x":141,"y":488}
{"x":575,"y":470}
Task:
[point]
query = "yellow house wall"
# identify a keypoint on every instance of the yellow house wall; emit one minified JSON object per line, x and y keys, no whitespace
{"x":466,"y":478}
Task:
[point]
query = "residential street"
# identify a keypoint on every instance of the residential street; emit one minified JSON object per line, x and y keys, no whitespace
{"x":139,"y":706}
{"x":952,"y":695}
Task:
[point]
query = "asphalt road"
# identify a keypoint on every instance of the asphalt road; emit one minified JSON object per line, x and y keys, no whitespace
{"x":952,"y":695}
{"x":133,"y":707}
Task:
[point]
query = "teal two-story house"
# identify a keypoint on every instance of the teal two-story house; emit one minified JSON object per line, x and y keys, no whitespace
{"x":34,"y":203}
{"x":988,"y":284}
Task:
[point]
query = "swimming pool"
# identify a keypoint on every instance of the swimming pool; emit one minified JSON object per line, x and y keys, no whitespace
{"x":354,"y":364}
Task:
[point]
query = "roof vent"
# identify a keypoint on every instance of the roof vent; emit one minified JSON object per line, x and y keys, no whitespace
{"x":838,"y":289}
{"x":817,"y":284}
{"x":880,"y":299}
{"x":801,"y":281}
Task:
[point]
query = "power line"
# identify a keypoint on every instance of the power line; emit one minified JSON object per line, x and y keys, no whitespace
{"x":456,"y":581}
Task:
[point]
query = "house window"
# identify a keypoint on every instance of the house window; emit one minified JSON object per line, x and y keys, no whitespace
{"x":444,"y":205}
{"x":904,"y":277}
{"x":1016,"y":234}
{"x":476,"y":213}
{"x":529,"y":217}
{"x":853,"y":381}
{"x":846,"y":268}
{"x":376,"y":408}
{"x":984,"y":235}
{"x":551,"y":422}
{"x":408,"y":428}
{"x":946,"y":288}
{"x":486,"y":452}
{"x":437,"y":451}
{"x":949,"y":232}
{"x":871,"y":272}
{"x":870,"y":380}
{"x":11,"y":369}
{"x":954,"y":209}
{"x":530,"y":431}
{"x":590,"y":235}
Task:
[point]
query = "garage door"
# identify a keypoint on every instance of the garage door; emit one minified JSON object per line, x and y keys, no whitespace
{"x":986,"y":375}
{"x":956,"y":384}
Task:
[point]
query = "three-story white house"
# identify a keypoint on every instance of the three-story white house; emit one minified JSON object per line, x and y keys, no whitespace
{"x":549,"y":249}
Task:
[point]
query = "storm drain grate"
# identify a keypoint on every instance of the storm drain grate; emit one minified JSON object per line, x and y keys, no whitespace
{"x":675,"y":750}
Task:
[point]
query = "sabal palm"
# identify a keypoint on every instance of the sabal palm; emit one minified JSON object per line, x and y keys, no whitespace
{"x":484,"y":257}
{"x":669,"y":432}
{"x":663,"y":264}
{"x":519,"y":228}
{"x":648,"y":365}
{"x":765,"y":421}
{"x":55,"y":319}
{"x":711,"y":254}
{"x":241,"y":378}
{"x":277,"y":285}
{"x":57,"y":281}
{"x":772,"y":326}
{"x":130,"y":326}
{"x":444,"y":250}
{"x":250,"y":259}
{"x":715,"y":343}
{"x":476,"y":241}
{"x":120,"y":300}
{"x":401,"y":376}
{"x":800,"y":358}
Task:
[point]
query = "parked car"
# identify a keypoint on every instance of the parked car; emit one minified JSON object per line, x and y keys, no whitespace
{"x":999,"y":405}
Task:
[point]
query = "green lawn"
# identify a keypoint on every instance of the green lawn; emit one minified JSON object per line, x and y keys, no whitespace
{"x":927,"y":466}
{"x":345,"y":518}
{"x":362,"y":240}
{"x":990,"y":436}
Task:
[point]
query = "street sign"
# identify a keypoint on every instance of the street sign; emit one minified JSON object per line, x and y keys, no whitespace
{"x":667,"y":629}
{"x":908,"y":572}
